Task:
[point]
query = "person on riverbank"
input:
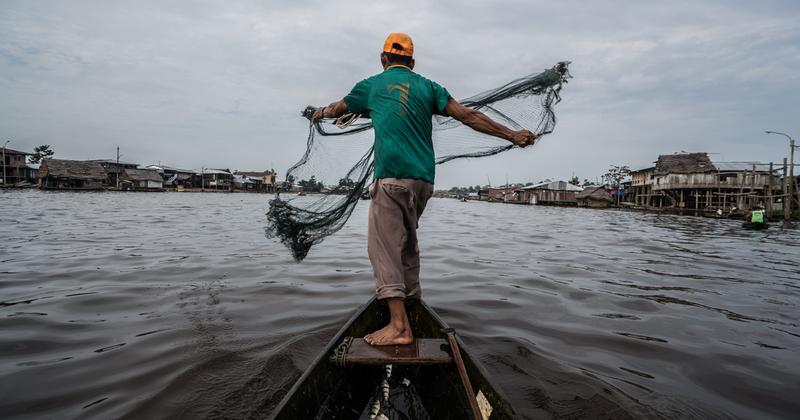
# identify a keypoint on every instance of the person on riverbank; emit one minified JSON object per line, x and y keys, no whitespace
{"x":401,"y":104}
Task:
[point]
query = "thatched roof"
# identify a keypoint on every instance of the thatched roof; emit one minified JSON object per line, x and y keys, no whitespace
{"x":142,"y":175}
{"x":684,"y":163}
{"x":75,"y":169}
{"x":597,"y":192}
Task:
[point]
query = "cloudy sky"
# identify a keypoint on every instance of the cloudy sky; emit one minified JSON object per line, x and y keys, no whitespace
{"x":221,"y":84}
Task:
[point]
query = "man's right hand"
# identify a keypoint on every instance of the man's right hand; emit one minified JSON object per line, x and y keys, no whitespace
{"x":523,"y":138}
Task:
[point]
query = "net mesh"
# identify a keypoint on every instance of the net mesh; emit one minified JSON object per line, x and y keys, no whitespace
{"x":327,"y":168}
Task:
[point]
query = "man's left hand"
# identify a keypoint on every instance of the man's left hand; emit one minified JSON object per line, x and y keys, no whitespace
{"x":318,"y":114}
{"x":523,"y":138}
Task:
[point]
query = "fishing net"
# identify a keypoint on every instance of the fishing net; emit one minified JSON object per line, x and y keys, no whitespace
{"x":337,"y":165}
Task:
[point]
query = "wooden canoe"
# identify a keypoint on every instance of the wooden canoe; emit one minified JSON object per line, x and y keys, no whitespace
{"x":329,"y":391}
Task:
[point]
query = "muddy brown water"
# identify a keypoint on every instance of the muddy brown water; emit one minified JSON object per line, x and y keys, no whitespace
{"x":175,"y":305}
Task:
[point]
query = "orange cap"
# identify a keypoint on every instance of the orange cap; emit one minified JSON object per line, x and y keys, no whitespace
{"x":399,"y":43}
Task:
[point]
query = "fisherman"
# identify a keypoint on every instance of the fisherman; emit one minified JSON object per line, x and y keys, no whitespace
{"x":401,"y":104}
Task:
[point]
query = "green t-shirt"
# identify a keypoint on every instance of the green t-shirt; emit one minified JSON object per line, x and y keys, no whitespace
{"x":401,"y":104}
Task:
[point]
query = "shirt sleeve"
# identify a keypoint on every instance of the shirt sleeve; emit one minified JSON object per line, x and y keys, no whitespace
{"x":440,"y":98}
{"x":358,"y":98}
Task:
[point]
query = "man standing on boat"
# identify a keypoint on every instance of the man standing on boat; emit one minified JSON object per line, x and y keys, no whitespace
{"x":401,"y":104}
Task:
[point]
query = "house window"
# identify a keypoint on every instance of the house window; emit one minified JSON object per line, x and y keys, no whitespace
{"x":727,"y":177}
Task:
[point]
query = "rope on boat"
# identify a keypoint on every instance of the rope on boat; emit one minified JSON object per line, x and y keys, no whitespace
{"x":347,"y":120}
{"x":375,"y":410}
{"x":340,"y":352}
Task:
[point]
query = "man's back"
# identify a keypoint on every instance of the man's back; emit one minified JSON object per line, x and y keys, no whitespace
{"x":401,"y":104}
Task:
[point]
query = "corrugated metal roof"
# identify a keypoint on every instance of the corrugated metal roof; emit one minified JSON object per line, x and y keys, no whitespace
{"x":554,"y":186}
{"x":209,"y":171}
{"x":170,"y":169}
{"x":741,"y":166}
{"x":113,"y":161}
{"x":14,"y":152}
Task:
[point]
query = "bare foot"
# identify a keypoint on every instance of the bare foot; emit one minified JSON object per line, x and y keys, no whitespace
{"x":390,"y":335}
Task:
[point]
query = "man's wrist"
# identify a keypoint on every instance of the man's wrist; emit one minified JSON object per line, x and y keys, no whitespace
{"x":510,"y":135}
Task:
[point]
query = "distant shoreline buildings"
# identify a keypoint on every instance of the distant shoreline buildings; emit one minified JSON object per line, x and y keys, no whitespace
{"x":680,"y":182}
{"x":108,"y":174}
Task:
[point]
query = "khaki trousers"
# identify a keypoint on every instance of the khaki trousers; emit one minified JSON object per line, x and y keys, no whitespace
{"x":394,"y":213}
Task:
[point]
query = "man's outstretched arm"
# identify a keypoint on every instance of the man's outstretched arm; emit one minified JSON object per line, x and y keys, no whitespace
{"x":334,"y":110}
{"x":478,"y":121}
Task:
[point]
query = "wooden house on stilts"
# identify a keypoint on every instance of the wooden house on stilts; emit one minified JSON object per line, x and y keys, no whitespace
{"x":691,"y":181}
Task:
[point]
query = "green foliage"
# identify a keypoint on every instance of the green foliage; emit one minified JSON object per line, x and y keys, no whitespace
{"x":575,"y":181}
{"x":311,"y":185}
{"x":616,"y":174}
{"x":40,"y":153}
{"x":345,"y":184}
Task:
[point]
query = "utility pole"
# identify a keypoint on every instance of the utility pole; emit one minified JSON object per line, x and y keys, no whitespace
{"x":117,"y":168}
{"x":769,"y":192}
{"x":202,"y":179}
{"x":784,"y":188}
{"x":4,"y":161}
{"x":790,"y":194}
{"x":791,"y":175}
{"x":505,"y":193}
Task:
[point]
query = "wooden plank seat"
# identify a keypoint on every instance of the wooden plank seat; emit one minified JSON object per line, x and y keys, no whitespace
{"x":423,"y":351}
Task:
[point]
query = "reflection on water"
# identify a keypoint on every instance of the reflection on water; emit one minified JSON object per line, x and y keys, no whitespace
{"x":175,"y":305}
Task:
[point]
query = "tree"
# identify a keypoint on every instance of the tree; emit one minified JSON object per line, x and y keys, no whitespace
{"x":587,"y":183}
{"x":346,"y":184}
{"x":615,"y":175}
{"x":311,"y":185}
{"x":575,"y":181}
{"x":40,"y":153}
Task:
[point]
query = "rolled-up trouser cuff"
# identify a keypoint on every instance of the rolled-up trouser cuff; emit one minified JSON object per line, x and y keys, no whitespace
{"x":391,"y":291}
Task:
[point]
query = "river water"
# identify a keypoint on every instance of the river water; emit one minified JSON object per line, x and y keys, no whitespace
{"x":156,"y":305}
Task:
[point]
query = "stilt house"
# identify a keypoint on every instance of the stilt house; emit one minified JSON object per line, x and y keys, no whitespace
{"x":692,"y":181}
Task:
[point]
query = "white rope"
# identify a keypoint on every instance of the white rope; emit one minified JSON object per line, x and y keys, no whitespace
{"x":347,"y":120}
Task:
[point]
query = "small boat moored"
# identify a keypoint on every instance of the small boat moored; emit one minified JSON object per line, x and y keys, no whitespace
{"x":755,"y":226}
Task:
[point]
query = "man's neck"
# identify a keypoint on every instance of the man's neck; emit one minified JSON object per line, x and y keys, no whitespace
{"x":398,"y":65}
